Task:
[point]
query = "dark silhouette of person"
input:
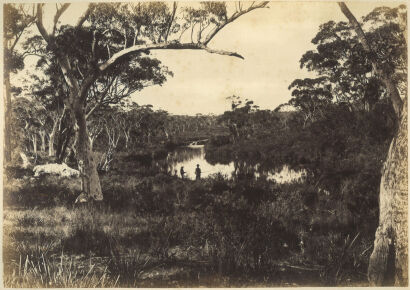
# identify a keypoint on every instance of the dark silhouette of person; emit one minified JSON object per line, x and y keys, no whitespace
{"x":182,"y":172}
{"x":198,"y":172}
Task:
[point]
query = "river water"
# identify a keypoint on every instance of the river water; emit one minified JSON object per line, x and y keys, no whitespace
{"x":189,"y":157}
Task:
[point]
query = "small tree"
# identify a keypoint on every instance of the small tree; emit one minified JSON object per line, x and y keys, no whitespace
{"x":238,"y":120}
{"x":311,"y":96}
{"x":112,"y":133}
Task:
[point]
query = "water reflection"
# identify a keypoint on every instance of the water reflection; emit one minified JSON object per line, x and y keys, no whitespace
{"x":189,"y":158}
{"x":237,"y":169}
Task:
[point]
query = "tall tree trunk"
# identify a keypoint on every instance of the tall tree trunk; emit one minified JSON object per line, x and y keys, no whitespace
{"x":34,"y":141}
{"x":56,"y":126}
{"x":51,"y":151}
{"x":64,"y":147}
{"x":42,"y":134}
{"x":63,"y":135}
{"x":391,"y":235}
{"x":7,"y":116}
{"x":62,"y":143}
{"x":87,"y":165}
{"x":127,"y":139}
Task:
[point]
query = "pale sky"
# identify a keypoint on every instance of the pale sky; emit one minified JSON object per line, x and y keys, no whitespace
{"x":271,"y":40}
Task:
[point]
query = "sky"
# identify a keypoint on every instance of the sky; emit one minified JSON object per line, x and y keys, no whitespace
{"x":272,"y":41}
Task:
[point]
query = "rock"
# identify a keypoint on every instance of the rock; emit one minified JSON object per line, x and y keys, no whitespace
{"x":82,"y":198}
{"x":57,"y":169}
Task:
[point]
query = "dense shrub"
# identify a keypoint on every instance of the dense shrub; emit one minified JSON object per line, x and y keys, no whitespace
{"x":219,"y":140}
{"x":43,"y":191}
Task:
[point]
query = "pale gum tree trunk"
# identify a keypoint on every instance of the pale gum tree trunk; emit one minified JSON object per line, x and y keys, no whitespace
{"x":34,"y":141}
{"x":91,"y":142}
{"x":56,"y":126}
{"x":391,"y":235}
{"x":7,"y":116}
{"x":42,"y":134}
{"x":392,"y":231}
{"x":87,"y":164}
{"x":127,"y":138}
{"x":51,"y":151}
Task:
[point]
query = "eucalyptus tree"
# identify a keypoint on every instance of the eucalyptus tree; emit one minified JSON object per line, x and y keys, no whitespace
{"x":134,"y":123}
{"x":28,"y":119}
{"x":150,"y":122}
{"x":311,"y":97}
{"x":114,"y":38}
{"x":112,"y":133}
{"x":392,"y":233}
{"x":95,"y":126}
{"x":47,"y":88}
{"x":238,"y":119}
{"x":346,"y":69}
{"x":16,"y":20}
{"x":360,"y":64}
{"x":159,"y":120}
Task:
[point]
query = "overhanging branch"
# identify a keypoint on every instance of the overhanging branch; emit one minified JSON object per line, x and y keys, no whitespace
{"x":169,"y":45}
{"x":222,"y":52}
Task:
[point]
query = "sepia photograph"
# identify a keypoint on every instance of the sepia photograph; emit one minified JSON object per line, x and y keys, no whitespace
{"x":163,"y":144}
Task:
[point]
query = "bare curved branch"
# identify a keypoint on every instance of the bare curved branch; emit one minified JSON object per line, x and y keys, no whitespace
{"x":40,"y":24}
{"x":58,"y":14}
{"x":171,"y":45}
{"x":235,"y":16}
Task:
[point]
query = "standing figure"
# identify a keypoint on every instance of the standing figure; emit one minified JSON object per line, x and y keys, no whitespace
{"x":198,"y":172}
{"x":182,"y":172}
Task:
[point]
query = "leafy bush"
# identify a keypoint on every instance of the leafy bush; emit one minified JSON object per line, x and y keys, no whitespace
{"x":44,"y":191}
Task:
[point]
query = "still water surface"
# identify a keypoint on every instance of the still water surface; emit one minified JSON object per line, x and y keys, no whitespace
{"x":189,"y":157}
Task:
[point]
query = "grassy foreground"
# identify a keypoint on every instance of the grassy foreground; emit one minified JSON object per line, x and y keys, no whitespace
{"x":154,"y":230}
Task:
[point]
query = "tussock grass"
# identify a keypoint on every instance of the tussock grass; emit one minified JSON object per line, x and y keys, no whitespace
{"x":42,"y":272}
{"x":160,"y":231}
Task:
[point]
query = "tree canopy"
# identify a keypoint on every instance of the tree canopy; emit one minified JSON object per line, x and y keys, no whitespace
{"x":344,"y":65}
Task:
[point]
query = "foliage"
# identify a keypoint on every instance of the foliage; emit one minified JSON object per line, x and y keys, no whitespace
{"x":344,"y":67}
{"x":239,"y":231}
{"x":15,"y":22}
